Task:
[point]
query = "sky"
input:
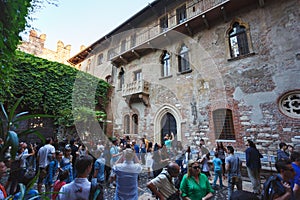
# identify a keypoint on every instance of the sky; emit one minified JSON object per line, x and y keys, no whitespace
{"x":78,"y":22}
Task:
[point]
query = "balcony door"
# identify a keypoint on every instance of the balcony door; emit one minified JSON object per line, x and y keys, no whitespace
{"x":168,"y":125}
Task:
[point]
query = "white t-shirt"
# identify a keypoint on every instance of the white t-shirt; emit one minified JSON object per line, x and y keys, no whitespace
{"x":43,"y":153}
{"x":78,"y":189}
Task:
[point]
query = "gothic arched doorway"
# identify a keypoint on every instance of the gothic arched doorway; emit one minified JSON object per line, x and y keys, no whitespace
{"x":168,"y":125}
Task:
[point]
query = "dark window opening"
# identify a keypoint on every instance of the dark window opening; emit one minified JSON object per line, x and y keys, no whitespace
{"x":166,"y":66}
{"x":238,"y":41}
{"x":135,"y":121}
{"x":163,"y":24}
{"x":223,"y":124}
{"x":183,"y":59}
{"x":168,"y":125}
{"x":181,"y":14}
{"x":127,"y":124}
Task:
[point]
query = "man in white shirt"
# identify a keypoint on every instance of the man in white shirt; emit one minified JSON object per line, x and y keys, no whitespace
{"x":44,"y":157}
{"x":79,"y":189}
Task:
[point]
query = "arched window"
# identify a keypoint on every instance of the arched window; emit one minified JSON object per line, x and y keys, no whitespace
{"x":223,"y":124}
{"x":238,"y":41}
{"x":135,"y":124}
{"x":127,"y":124}
{"x":168,"y":125}
{"x":183,"y":59}
{"x":166,"y":66}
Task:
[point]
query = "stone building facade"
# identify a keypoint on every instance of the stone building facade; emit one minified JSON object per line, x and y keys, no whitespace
{"x":214,"y":69}
{"x":36,"y":46}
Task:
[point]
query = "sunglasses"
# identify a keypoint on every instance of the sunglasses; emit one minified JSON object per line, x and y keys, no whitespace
{"x":196,"y":167}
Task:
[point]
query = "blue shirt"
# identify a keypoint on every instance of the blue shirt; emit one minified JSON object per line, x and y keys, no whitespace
{"x":234,"y":163}
{"x":114,"y":150}
{"x":53,"y":166}
{"x":282,"y":154}
{"x":297,"y":176}
{"x":127,"y":180}
{"x":217,"y":164}
{"x":100,"y":165}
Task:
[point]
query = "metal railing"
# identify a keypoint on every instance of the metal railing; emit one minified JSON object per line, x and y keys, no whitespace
{"x":144,"y":35}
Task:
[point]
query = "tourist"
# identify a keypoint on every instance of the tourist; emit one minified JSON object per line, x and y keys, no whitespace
{"x":281,"y":152}
{"x":195,"y":185}
{"x":279,"y":186}
{"x":162,"y":186}
{"x":126,"y":175}
{"x":79,"y":188}
{"x":44,"y":157}
{"x":253,"y":165}
{"x":221,"y":150}
{"x":217,"y":164}
{"x":233,"y":168}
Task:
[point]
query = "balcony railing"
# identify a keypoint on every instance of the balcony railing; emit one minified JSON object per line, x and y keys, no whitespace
{"x":143,"y":35}
{"x":135,"y":87}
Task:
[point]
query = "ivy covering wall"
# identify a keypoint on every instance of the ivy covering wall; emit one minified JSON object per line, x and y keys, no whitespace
{"x":56,"y":89}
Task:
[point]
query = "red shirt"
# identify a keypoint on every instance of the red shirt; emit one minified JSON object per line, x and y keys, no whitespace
{"x":56,"y":187}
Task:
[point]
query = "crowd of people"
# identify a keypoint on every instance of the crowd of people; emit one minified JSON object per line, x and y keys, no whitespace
{"x":71,"y":170}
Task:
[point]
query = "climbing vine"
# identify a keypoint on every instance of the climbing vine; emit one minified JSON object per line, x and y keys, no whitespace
{"x":56,"y":89}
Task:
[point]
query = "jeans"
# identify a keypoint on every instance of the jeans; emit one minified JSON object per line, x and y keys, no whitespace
{"x":218,"y":174}
{"x":231,"y":185}
{"x":254,"y":176}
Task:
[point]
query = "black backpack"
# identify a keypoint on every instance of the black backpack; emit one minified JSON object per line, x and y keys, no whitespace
{"x":178,"y":180}
{"x":96,"y":191}
{"x":271,"y":187}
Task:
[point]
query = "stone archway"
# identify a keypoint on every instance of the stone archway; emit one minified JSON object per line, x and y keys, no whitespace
{"x":159,"y":117}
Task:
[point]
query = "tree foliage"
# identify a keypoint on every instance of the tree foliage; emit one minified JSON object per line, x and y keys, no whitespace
{"x":56,"y":89}
{"x":12,"y":22}
{"x":15,"y":16}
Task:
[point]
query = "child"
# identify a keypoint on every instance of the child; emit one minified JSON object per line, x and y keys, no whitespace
{"x":217,"y":163}
{"x":64,"y":175}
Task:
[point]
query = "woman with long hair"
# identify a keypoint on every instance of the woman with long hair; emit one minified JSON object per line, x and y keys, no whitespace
{"x":221,"y":150}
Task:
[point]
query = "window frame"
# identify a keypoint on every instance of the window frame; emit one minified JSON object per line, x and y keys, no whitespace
{"x":291,"y":98}
{"x":123,"y":45}
{"x":127,"y":124}
{"x":246,"y":37}
{"x":183,"y":59}
{"x":138,"y":75}
{"x":100,"y":59}
{"x":121,"y":78}
{"x":135,"y":124}
{"x":181,"y":14}
{"x":164,"y":23}
{"x":166,"y":64}
{"x":226,"y":119}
